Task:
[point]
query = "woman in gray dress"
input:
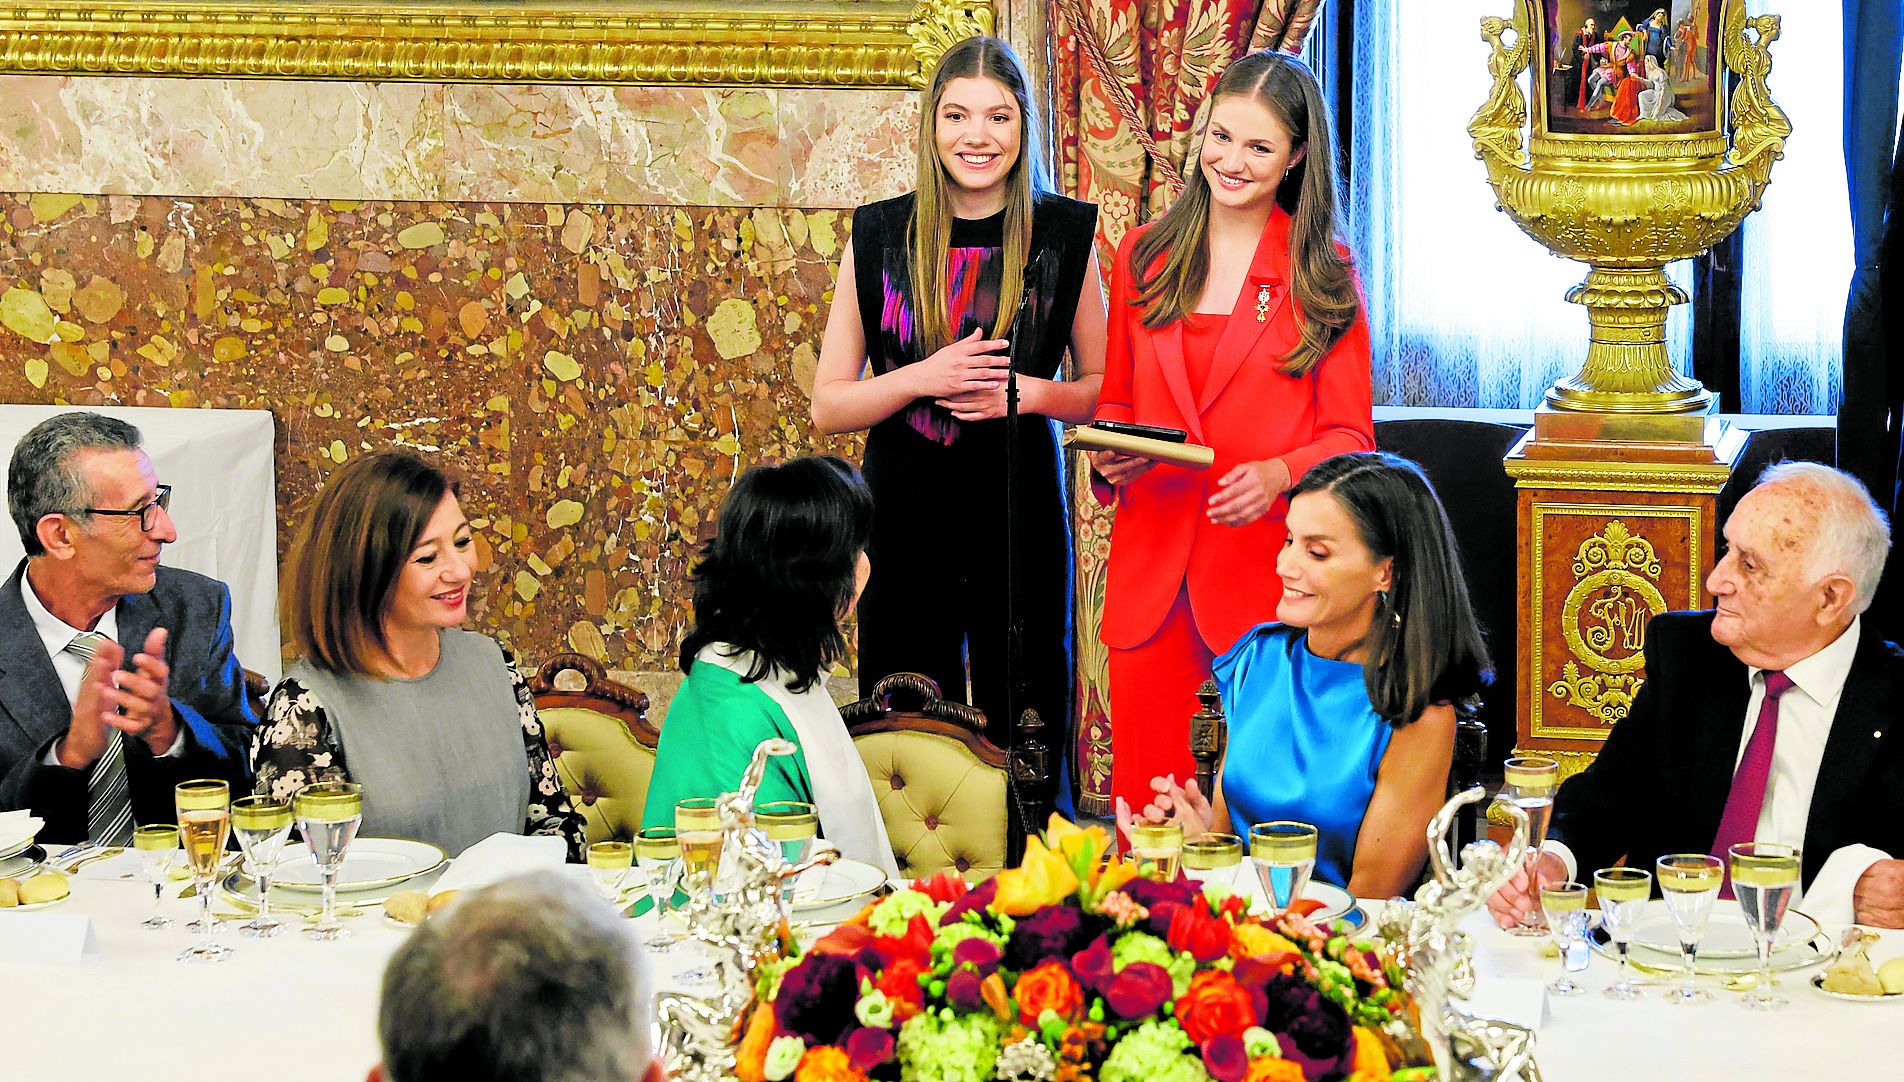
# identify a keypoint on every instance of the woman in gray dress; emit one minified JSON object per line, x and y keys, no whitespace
{"x":434,"y":721}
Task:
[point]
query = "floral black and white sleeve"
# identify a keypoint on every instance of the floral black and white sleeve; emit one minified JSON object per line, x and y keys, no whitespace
{"x":549,"y":809}
{"x":295,"y":746}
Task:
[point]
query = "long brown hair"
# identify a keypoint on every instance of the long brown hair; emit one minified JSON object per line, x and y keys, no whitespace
{"x":348,"y":554}
{"x":1320,"y":277}
{"x":929,"y":236}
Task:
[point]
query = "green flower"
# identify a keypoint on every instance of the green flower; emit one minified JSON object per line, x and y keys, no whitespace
{"x":951,"y":935}
{"x":783,"y":1056}
{"x":767,"y":976}
{"x":947,"y":1047}
{"x":1157,"y":1051}
{"x":875,"y":1010}
{"x":891,"y":916}
{"x":1260,"y":1043}
{"x":1144,"y":947}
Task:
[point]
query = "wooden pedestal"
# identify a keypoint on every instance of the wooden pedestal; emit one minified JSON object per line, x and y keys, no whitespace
{"x":1616,"y":522}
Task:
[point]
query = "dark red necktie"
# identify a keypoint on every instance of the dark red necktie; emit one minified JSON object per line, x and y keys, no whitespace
{"x":1740,"y":823}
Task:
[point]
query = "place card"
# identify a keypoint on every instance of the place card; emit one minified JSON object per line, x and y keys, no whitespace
{"x":46,"y":937}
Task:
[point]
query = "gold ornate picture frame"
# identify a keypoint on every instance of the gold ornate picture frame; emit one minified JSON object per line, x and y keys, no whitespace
{"x":810,"y":43}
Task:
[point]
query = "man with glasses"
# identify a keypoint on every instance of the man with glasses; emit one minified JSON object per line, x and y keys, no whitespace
{"x":117,"y":679}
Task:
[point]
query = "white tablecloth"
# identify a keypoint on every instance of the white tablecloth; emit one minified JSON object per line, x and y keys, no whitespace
{"x":224,"y":503}
{"x":289,"y":1010}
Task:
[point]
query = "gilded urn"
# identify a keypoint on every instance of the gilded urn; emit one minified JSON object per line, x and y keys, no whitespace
{"x":1652,"y":136}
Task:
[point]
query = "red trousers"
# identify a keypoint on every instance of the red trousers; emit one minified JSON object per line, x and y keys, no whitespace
{"x":1153,"y":693}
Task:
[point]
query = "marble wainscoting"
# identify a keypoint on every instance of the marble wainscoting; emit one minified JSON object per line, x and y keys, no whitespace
{"x":597,"y":375}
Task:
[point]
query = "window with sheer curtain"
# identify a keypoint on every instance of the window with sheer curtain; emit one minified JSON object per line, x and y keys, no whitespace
{"x":1466,"y":310}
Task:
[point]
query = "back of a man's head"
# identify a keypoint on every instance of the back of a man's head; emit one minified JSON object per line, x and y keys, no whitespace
{"x":533,"y":979}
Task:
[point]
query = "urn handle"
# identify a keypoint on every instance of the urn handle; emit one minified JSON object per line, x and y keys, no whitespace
{"x":1498,"y":127}
{"x":1759,"y":126}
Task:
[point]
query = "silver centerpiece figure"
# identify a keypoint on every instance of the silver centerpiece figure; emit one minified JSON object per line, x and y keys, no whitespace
{"x":745,"y":926}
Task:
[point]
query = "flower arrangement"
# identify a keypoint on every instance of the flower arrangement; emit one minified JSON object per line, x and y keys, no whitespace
{"x":1069,"y":969}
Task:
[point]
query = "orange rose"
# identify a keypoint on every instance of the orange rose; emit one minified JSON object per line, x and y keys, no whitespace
{"x":826,"y":1064}
{"x":1215,"y":1005}
{"x":1048,"y":987}
{"x":1274,"y":1070}
{"x":750,"y":1059}
{"x":1371,"y":1061}
{"x":1254,"y":940}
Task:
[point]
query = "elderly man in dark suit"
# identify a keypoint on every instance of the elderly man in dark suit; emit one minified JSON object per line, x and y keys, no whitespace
{"x":1773,"y":717}
{"x":90,"y":742}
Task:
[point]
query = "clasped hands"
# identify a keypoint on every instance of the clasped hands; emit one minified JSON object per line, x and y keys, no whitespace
{"x":1876,"y":900}
{"x":136,"y":702}
{"x":1243,"y":495}
{"x":966,"y":377}
{"x":1183,"y":804}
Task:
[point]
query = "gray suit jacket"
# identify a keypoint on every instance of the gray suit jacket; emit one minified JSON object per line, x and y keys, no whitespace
{"x":208,"y":696}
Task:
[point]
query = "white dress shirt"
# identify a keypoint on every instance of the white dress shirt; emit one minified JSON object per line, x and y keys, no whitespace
{"x":1805,"y":713}
{"x":57,"y":634}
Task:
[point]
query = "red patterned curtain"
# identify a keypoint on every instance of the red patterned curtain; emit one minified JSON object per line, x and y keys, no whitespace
{"x":1129,"y":79}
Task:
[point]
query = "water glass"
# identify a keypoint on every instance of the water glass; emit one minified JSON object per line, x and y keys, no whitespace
{"x":158,"y":849}
{"x":1689,"y":882}
{"x":1764,"y":880}
{"x":1212,"y":858}
{"x":1529,"y":784}
{"x":1284,"y":853}
{"x":1623,"y":893}
{"x":608,"y":864}
{"x":328,"y":815}
{"x":1156,"y":850}
{"x":204,"y":824}
{"x":262,"y":824}
{"x":1564,"y":905}
{"x":659,"y":855}
{"x":793,"y":824}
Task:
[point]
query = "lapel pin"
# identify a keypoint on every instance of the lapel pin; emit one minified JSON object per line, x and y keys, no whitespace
{"x":1262,"y":302}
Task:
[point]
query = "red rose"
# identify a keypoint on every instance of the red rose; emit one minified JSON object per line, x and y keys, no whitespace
{"x":1093,"y":964}
{"x":900,"y":982}
{"x":1215,"y":1005}
{"x":1138,"y":990}
{"x":944,"y":887}
{"x":1049,"y":987}
{"x":868,"y":1047}
{"x":1206,"y":938}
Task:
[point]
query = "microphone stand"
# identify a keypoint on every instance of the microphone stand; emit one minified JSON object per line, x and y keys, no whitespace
{"x":1020,"y":333}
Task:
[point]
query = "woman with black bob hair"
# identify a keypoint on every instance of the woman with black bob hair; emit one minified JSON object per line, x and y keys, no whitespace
{"x":1342,"y":713}
{"x":781,"y":575}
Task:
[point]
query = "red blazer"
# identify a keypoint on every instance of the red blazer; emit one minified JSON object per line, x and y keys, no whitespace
{"x":1249,"y":410}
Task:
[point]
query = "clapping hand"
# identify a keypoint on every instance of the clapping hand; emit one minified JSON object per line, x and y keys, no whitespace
{"x":1172,"y":803}
{"x":136,"y":702}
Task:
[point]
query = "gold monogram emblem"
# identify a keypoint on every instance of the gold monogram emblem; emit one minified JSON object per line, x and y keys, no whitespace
{"x":1603,"y":621}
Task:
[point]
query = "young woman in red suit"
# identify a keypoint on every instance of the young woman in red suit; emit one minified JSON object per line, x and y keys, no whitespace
{"x":1235,"y":317}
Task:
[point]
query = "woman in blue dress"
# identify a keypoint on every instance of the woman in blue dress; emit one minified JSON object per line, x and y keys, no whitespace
{"x":1342,"y":714}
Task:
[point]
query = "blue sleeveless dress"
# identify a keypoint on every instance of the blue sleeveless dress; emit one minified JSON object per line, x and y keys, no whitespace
{"x":1305,"y":743}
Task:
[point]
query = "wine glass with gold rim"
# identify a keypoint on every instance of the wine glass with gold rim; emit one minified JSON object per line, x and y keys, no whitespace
{"x":204,"y":824}
{"x":608,"y":864}
{"x":1284,"y":853}
{"x":328,"y":815}
{"x":158,"y":849}
{"x":262,"y":824}
{"x":697,"y":828}
{"x":793,"y":825}
{"x":1156,"y":850}
{"x":658,"y":853}
{"x":1564,"y":905}
{"x":1212,"y":857}
{"x":1529,"y":782}
{"x":1764,"y":880}
{"x":1623,"y":893}
{"x":1689,"y":882}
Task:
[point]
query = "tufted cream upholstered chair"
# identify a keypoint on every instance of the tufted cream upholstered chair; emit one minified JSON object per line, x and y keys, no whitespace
{"x":943,"y":788}
{"x":604,"y":747}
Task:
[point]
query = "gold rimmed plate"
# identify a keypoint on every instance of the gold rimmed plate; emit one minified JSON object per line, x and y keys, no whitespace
{"x":241,"y":891}
{"x":371,"y":863}
{"x":1727,"y":939}
{"x":1818,"y":982}
{"x":21,"y":860}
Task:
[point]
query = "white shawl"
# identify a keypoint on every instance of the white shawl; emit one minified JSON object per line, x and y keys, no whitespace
{"x":842,"y":791}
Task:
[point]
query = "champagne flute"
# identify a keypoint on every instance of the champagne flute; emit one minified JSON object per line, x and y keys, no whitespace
{"x":1284,"y":853}
{"x":157,"y":846}
{"x":1565,"y":907}
{"x":1764,"y":879}
{"x":1530,"y":782}
{"x":697,"y":827}
{"x":1689,"y":882}
{"x":1623,"y":893}
{"x":328,"y":815}
{"x":793,"y":824}
{"x":204,"y":823}
{"x":1212,"y":857}
{"x":659,"y":852}
{"x":1156,"y":850}
{"x":262,"y":824}
{"x":608,"y":864}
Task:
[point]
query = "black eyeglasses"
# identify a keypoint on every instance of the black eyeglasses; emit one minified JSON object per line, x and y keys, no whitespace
{"x":161,"y":502}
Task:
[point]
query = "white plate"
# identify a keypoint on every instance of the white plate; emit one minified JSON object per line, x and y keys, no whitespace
{"x":845,"y":880}
{"x":1727,"y":935}
{"x":1818,"y":982}
{"x":16,"y":846}
{"x":11,"y":866}
{"x":242,"y":891}
{"x":370,"y":863}
{"x":1336,"y":902}
{"x":44,"y":905}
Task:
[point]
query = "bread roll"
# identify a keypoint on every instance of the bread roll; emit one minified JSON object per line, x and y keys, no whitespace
{"x":407,"y":906}
{"x":44,"y":887}
{"x":9,"y":894}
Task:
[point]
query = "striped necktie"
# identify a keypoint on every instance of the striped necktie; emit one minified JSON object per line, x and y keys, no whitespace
{"x":109,"y":794}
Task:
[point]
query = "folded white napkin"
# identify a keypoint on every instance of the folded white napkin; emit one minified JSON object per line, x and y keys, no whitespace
{"x":18,"y":828}
{"x":500,"y":856}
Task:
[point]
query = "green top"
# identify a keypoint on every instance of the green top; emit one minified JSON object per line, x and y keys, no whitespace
{"x":708,"y":737}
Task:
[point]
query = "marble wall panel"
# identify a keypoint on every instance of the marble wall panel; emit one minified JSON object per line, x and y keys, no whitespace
{"x":690,"y":146}
{"x":596,"y":374}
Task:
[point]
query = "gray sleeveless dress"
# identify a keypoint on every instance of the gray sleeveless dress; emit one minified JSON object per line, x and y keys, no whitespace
{"x":440,"y":757}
